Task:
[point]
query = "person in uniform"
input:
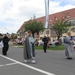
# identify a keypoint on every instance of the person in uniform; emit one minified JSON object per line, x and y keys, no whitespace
{"x":29,"y":53}
{"x":45,"y":40}
{"x":5,"y":44}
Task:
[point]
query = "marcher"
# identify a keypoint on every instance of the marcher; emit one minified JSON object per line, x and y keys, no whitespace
{"x":29,"y":53}
{"x":53,"y":43}
{"x":45,"y":40}
{"x":5,"y":45}
{"x":68,"y":45}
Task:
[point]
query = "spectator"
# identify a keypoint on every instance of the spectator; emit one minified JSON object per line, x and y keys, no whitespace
{"x":57,"y":42}
{"x":53,"y":43}
{"x":5,"y":45}
{"x":36,"y":42}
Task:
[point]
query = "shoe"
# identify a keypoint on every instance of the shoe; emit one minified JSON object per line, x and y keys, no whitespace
{"x":5,"y":54}
{"x":45,"y":52}
{"x":69,"y":58}
{"x":25,"y":61}
{"x":33,"y":61}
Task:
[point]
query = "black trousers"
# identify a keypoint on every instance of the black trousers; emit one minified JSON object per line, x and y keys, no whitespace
{"x":45,"y":47}
{"x":5,"y":49}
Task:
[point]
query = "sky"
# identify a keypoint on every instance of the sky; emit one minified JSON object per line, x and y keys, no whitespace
{"x":13,"y":13}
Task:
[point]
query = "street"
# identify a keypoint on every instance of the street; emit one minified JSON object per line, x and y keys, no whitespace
{"x":50,"y":63}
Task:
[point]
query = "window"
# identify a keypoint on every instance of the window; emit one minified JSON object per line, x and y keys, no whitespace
{"x":53,"y":32}
{"x":41,"y":32}
{"x":47,"y":32}
{"x":48,"y":26}
{"x":74,"y":37}
{"x":52,"y":24}
{"x":68,"y":16}
{"x":73,"y":29}
{"x":50,"y":20}
{"x":63,"y":17}
{"x":41,"y":38}
{"x":73,"y":22}
{"x":56,"y":19}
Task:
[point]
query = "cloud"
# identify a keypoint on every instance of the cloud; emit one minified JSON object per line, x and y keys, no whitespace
{"x":65,"y":1}
{"x":14,"y":12}
{"x":57,"y":7}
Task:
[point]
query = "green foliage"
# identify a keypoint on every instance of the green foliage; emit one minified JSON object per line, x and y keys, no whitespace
{"x":60,"y":47}
{"x":34,"y":26}
{"x":61,"y":26}
{"x":13,"y":36}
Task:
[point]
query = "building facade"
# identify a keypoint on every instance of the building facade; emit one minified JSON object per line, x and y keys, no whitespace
{"x":50,"y":32}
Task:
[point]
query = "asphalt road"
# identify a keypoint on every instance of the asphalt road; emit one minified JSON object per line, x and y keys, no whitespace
{"x":52,"y":62}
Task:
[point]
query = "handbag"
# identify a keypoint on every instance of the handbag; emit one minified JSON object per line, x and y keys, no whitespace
{"x":1,"y":44}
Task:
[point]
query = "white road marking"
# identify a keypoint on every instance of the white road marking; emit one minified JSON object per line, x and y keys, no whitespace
{"x":31,"y":67}
{"x":8,"y":64}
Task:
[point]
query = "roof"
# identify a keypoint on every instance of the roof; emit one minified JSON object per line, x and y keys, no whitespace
{"x":58,"y":15}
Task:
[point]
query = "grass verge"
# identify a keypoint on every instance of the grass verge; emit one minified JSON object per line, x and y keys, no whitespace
{"x":60,"y":47}
{"x":51,"y":48}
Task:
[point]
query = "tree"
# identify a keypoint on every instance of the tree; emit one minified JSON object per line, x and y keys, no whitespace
{"x":61,"y":26}
{"x":13,"y":36}
{"x":34,"y":26}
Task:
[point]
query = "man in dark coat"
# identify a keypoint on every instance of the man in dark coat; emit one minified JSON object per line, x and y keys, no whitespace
{"x":29,"y":53}
{"x":45,"y":40}
{"x":5,"y":45}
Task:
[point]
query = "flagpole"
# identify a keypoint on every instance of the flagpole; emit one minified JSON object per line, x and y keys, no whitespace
{"x":46,"y":13}
{"x":46,"y":25}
